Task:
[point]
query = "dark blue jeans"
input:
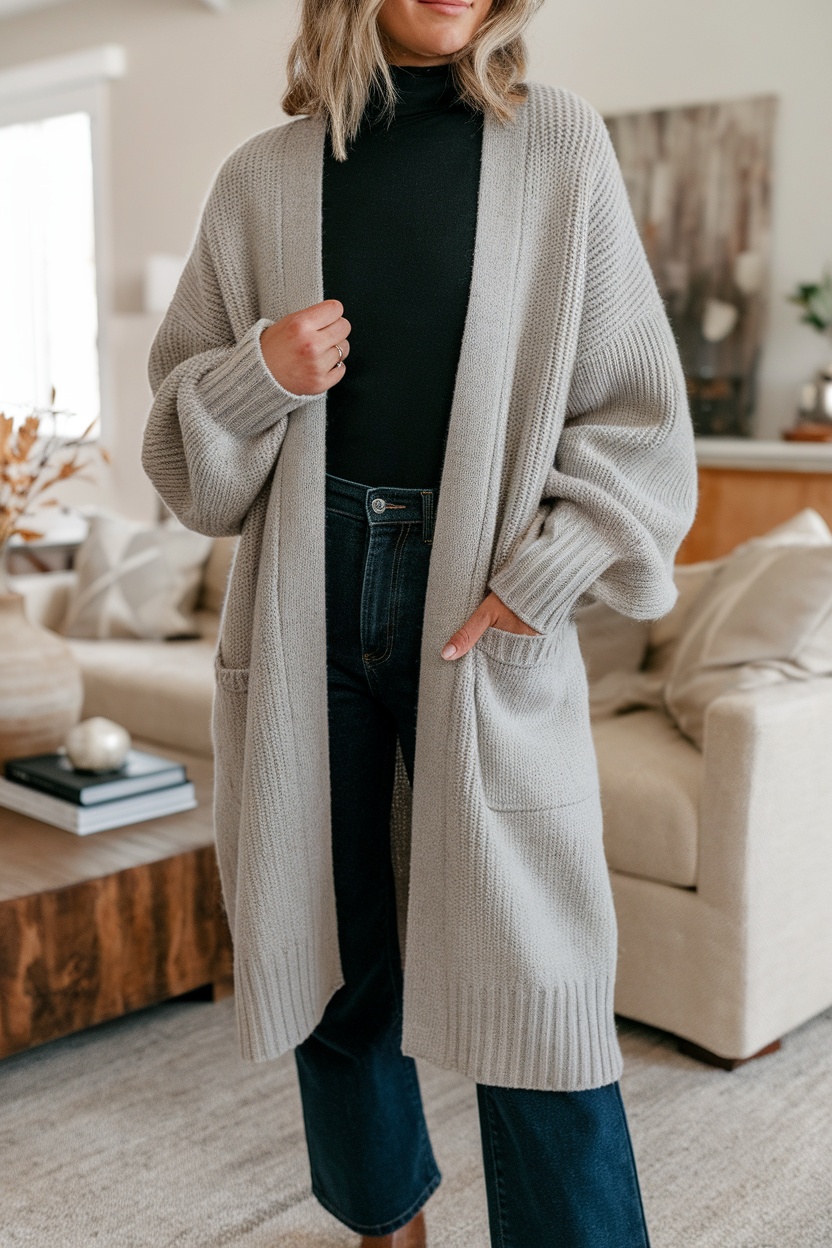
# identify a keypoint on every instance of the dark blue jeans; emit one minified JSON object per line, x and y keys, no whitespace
{"x":559,"y":1166}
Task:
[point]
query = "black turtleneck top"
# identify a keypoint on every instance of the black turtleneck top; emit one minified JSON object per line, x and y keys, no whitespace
{"x":399,"y":221}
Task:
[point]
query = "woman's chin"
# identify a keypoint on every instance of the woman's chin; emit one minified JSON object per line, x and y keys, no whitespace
{"x":428,"y":51}
{"x":430,"y":28}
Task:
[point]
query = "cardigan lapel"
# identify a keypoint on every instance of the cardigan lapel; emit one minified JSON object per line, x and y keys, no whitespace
{"x":301,"y":245}
{"x":473,"y":452}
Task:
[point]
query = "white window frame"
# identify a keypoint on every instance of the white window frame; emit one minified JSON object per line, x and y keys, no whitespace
{"x":70,"y":84}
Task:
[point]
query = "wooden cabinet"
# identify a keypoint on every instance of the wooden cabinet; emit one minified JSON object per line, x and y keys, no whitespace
{"x":746,"y":487}
{"x":92,"y":927}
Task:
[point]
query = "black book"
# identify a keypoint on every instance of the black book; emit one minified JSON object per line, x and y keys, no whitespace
{"x":55,"y":774}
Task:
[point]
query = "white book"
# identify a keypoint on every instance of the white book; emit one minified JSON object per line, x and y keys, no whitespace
{"x":85,"y":819}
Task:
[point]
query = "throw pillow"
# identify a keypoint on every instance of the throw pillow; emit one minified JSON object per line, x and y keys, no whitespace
{"x":136,"y":581}
{"x":613,"y":648}
{"x":764,"y":615}
{"x":806,"y":528}
{"x":664,"y":633}
{"x":609,"y":641}
{"x":616,"y":688}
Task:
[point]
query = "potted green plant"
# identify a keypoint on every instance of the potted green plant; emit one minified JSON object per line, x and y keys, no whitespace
{"x":815,"y":301}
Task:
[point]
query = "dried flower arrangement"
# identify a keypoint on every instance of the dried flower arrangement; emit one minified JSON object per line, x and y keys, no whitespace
{"x":31,"y":464}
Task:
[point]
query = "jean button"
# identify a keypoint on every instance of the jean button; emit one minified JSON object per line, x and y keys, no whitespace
{"x":378,"y":504}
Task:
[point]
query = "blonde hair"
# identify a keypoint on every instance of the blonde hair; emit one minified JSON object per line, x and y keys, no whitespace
{"x":339,"y":55}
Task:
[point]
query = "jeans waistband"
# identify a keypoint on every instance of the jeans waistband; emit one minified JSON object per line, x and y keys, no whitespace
{"x":383,"y":504}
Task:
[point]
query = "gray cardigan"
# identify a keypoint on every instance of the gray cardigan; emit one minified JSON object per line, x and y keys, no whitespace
{"x":569,"y":475}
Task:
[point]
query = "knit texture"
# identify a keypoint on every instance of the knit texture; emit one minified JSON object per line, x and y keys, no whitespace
{"x":569,"y":474}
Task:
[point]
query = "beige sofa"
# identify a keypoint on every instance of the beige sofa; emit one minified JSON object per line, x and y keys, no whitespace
{"x":721,"y":859}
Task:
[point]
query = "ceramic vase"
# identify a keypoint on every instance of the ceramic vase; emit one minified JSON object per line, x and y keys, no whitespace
{"x":40,"y":684}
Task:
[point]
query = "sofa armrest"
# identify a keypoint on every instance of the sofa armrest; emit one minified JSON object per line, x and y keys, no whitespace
{"x":765,"y":838}
{"x":765,"y":857}
{"x":46,"y":595}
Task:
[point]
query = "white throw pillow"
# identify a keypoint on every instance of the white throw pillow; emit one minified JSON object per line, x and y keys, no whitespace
{"x":134,"y":580}
{"x":609,"y":641}
{"x":618,"y":686}
{"x":806,"y":528}
{"x":763,"y":615}
{"x":664,"y":633}
{"x":613,"y":648}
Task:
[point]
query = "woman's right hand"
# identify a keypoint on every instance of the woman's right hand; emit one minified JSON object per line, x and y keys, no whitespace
{"x":301,"y":352}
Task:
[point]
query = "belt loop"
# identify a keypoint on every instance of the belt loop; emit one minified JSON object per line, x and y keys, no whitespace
{"x":427,"y":515}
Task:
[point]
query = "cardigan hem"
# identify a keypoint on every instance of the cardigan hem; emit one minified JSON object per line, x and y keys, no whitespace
{"x":560,"y":1039}
{"x":280,"y":1004}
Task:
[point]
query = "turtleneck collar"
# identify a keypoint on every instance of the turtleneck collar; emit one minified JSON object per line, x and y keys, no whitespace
{"x":421,"y":90}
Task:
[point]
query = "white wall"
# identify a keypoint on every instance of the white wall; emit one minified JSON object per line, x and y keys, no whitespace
{"x":632,"y":54}
{"x":198,"y":83}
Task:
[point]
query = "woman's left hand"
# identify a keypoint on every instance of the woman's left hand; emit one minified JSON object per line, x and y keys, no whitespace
{"x":492,"y":610}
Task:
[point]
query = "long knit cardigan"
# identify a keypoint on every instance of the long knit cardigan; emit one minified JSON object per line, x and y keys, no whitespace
{"x":569,"y":475}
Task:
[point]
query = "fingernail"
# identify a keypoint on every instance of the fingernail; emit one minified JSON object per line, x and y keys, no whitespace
{"x":449,"y":651}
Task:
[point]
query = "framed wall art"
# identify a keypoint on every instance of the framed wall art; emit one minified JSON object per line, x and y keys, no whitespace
{"x":699,"y":179}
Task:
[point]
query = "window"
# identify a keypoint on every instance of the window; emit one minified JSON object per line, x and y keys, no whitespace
{"x":48,"y":304}
{"x":53,"y":292}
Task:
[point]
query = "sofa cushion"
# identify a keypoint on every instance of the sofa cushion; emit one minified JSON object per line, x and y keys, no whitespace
{"x":650,"y":782}
{"x":159,"y":690}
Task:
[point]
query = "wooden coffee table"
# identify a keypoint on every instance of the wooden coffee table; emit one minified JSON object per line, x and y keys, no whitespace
{"x":92,"y":927}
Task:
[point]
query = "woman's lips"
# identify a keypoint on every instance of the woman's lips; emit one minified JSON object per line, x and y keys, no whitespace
{"x":451,"y":7}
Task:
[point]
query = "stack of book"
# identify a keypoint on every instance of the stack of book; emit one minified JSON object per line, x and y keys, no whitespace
{"x":48,"y":787}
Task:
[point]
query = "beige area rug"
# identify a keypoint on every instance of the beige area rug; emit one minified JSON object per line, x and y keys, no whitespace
{"x":150,"y":1133}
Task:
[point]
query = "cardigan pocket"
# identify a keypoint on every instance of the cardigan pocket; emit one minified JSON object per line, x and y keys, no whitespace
{"x":534,"y":738}
{"x":521,"y":649}
{"x":234,"y":678}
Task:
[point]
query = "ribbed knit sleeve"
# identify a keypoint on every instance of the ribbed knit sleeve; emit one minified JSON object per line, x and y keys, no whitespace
{"x":621,"y":494}
{"x":219,"y":415}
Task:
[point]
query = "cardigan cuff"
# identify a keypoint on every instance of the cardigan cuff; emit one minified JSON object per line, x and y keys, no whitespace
{"x":242,"y":394}
{"x":544,"y":582}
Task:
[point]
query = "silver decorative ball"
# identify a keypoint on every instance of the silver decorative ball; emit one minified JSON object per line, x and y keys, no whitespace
{"x":97,"y":744}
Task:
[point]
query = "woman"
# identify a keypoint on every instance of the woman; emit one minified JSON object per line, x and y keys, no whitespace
{"x":480,"y":427}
